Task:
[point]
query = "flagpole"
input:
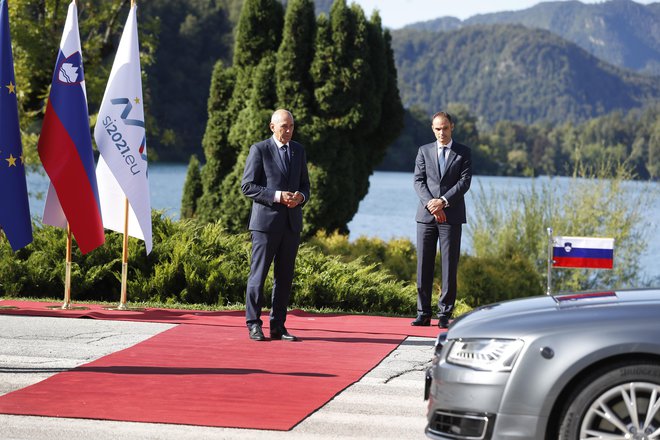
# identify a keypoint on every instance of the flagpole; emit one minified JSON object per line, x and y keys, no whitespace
{"x":67,"y":276}
{"x":123,"y":301}
{"x":124,"y":264}
{"x":549,"y":290}
{"x":67,"y":270}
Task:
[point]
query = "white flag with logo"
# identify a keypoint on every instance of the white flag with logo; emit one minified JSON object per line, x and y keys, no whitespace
{"x":120,"y":136}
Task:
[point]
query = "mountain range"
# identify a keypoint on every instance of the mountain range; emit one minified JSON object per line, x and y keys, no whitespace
{"x":621,"y":32}
{"x":509,"y":66}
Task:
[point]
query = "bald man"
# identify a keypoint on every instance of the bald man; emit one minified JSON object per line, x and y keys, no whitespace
{"x":277,"y":181}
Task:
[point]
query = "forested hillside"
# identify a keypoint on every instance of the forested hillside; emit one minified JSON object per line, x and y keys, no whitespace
{"x":509,"y":72}
{"x":621,"y":32}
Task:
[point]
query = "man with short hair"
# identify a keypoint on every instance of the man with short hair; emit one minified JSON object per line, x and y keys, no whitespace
{"x":443,"y":172}
{"x":277,"y":180}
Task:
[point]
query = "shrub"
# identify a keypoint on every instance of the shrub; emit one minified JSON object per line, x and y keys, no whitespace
{"x":592,"y":203}
{"x":193,"y":263}
{"x":484,"y":280}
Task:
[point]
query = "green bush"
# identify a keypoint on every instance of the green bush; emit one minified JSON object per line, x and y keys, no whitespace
{"x":594,"y":204}
{"x":484,"y":280}
{"x":397,"y":256}
{"x":193,"y":263}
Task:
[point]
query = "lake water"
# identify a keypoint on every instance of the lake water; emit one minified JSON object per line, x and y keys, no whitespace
{"x":387,"y":212}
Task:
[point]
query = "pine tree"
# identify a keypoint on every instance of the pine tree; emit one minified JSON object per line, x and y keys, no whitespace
{"x":335,"y":74}
{"x":192,"y":189}
{"x":258,"y":34}
{"x":253,"y":121}
{"x":220,"y":157}
{"x":259,"y":31}
{"x":294,"y":59}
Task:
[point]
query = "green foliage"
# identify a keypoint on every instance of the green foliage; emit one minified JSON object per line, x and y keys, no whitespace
{"x":515,"y":149}
{"x":336,"y":75}
{"x":396,"y":256}
{"x":484,"y":280}
{"x":36,"y":30}
{"x":192,"y":35}
{"x":193,"y":263}
{"x":623,"y":33}
{"x":220,"y":155}
{"x":592,"y":203}
{"x":250,"y":126}
{"x":294,"y":59}
{"x":258,"y":31}
{"x":192,"y":189}
{"x":350,"y":286}
{"x":509,"y":72}
{"x":180,"y":40}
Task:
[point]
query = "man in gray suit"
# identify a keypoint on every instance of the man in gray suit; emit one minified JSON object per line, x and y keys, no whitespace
{"x":443,"y":172}
{"x":277,"y":181}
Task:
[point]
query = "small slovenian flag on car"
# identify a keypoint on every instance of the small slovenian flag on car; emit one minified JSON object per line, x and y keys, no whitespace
{"x":583,"y":252}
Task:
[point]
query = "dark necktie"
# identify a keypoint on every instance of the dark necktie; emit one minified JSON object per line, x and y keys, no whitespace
{"x":287,"y":161}
{"x":441,"y":161}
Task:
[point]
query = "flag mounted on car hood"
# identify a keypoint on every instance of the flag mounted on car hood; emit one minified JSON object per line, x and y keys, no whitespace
{"x":583,"y":252}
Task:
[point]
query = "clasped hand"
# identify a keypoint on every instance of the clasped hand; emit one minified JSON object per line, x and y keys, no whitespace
{"x":436,"y":207}
{"x":290,"y":199}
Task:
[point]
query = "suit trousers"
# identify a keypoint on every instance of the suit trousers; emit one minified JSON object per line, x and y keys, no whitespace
{"x":449,"y":236}
{"x":281,"y":249}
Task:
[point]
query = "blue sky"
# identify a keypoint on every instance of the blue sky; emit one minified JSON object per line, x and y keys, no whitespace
{"x":398,"y":13}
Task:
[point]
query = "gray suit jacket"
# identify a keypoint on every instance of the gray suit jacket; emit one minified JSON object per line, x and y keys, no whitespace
{"x":264,"y":174}
{"x":454,"y":183}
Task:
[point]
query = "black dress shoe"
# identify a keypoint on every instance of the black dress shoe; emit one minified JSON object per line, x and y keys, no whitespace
{"x":443,"y":321}
{"x":256,"y":334}
{"x":422,"y":321}
{"x":282,"y":334}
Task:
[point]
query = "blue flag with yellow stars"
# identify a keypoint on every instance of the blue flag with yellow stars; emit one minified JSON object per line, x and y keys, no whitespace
{"x":14,"y":204}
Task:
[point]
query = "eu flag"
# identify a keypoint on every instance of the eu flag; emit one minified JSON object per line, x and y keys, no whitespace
{"x":14,"y":206}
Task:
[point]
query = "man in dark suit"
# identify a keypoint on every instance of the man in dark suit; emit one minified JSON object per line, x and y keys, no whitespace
{"x":443,"y":172}
{"x":277,"y":181}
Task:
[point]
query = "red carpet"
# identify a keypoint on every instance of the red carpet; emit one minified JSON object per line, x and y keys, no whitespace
{"x":209,"y":373}
{"x":295,"y":318}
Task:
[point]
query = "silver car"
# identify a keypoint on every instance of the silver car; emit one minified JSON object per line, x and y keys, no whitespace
{"x":576,"y":366}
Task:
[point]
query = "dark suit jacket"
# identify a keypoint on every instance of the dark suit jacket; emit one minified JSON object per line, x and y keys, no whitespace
{"x":264,"y":174}
{"x":453,"y":186}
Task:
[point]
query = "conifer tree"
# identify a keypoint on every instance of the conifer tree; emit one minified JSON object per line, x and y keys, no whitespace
{"x":294,"y":60}
{"x":257,"y":36}
{"x":253,"y":120}
{"x":192,"y":189}
{"x":220,"y":157}
{"x":335,"y":74}
{"x":259,"y":31}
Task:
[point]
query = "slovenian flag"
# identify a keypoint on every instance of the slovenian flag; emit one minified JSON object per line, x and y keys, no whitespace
{"x":65,"y":146}
{"x":583,"y":252}
{"x":15,"y":210}
{"x":120,"y":137}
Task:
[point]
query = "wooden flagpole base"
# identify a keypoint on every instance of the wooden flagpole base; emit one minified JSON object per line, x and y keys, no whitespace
{"x":67,"y":277}
{"x":124,"y":269}
{"x":67,"y":306}
{"x":123,"y":307}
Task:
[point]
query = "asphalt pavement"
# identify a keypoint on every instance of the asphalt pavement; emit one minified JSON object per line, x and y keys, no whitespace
{"x":387,"y":403}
